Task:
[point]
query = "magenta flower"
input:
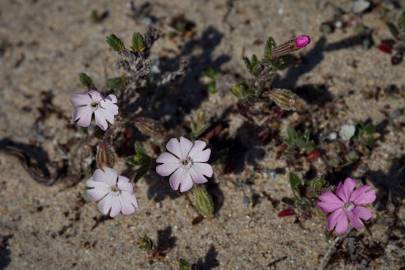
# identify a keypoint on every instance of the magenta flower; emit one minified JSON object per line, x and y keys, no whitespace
{"x":113,"y":193}
{"x":347,"y":206}
{"x":104,"y":109}
{"x":302,"y":41}
{"x":185,"y":163}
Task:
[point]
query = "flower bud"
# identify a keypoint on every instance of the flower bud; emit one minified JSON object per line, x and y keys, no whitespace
{"x":148,"y":126}
{"x":302,"y":41}
{"x":291,"y":46}
{"x":202,"y":201}
{"x":105,"y":156}
{"x":287,"y":100}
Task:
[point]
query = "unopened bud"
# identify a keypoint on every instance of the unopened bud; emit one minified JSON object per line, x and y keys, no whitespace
{"x":287,"y":100}
{"x":202,"y":201}
{"x":105,"y":156}
{"x":302,"y":41}
{"x":148,"y":126}
{"x":291,"y":46}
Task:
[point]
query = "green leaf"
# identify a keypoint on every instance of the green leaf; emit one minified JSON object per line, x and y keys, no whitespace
{"x":184,"y":265}
{"x":291,"y":133}
{"x":146,"y":243}
{"x":86,"y":81}
{"x":210,"y":73}
{"x":242,"y":91}
{"x":115,"y":43}
{"x":401,"y":22}
{"x":367,"y":134}
{"x":299,"y":140}
{"x":268,"y":49}
{"x":202,"y":201}
{"x":317,"y":184}
{"x":393,"y":29}
{"x":295,"y":183}
{"x":117,"y":83}
{"x":252,"y":64}
{"x":141,"y":159}
{"x":138,"y":44}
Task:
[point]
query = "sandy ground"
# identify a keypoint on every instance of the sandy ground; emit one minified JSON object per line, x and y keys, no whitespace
{"x":53,"y":228}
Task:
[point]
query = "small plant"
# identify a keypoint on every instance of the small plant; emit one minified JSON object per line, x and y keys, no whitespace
{"x":263,"y":70}
{"x":299,"y":140}
{"x":141,"y":160}
{"x":396,"y":45}
{"x":209,"y":79}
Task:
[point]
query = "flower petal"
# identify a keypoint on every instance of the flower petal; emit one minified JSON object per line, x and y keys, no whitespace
{"x":185,"y":145}
{"x":344,"y":190}
{"x":115,"y":206}
{"x":105,"y":204}
{"x":363,"y":195}
{"x":173,"y":146}
{"x":95,"y":96}
{"x":112,"y":98}
{"x":355,"y":220}
{"x":109,"y":116}
{"x":167,"y":169}
{"x":343,"y":224}
{"x":170,"y":164}
{"x":203,"y":168}
{"x":197,"y":176}
{"x":110,"y":107}
{"x":80,"y":99}
{"x":123,"y":184}
{"x":106,"y":175}
{"x":128,"y":203}
{"x":362,"y":212}
{"x":101,"y":119}
{"x":96,"y":190}
{"x":186,"y":182}
{"x":197,"y":154}
{"x":197,"y":147}
{"x":175,"y":178}
{"x":337,"y":219}
{"x":82,"y":116}
{"x":166,"y":157}
{"x":329,"y":202}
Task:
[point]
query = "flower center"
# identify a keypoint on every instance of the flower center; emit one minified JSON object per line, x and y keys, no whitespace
{"x":348,"y":206}
{"x":187,"y":163}
{"x":94,"y":105}
{"x":115,"y":190}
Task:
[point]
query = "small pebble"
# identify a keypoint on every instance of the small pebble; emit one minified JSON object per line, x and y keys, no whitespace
{"x":332,"y":136}
{"x":347,"y":132}
{"x":359,"y":6}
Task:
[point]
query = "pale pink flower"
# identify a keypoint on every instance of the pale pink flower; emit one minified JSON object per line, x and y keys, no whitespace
{"x":185,"y":163}
{"x":85,"y":105}
{"x":113,"y":193}
{"x":347,"y":206}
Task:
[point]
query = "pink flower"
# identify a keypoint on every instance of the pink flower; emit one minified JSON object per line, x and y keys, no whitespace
{"x":185,"y":163}
{"x":302,"y":41}
{"x":104,"y":109}
{"x":347,"y":206}
{"x":113,"y":193}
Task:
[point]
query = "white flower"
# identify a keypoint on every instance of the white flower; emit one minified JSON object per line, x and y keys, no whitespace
{"x":92,"y":102}
{"x":185,"y":162}
{"x":113,"y":193}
